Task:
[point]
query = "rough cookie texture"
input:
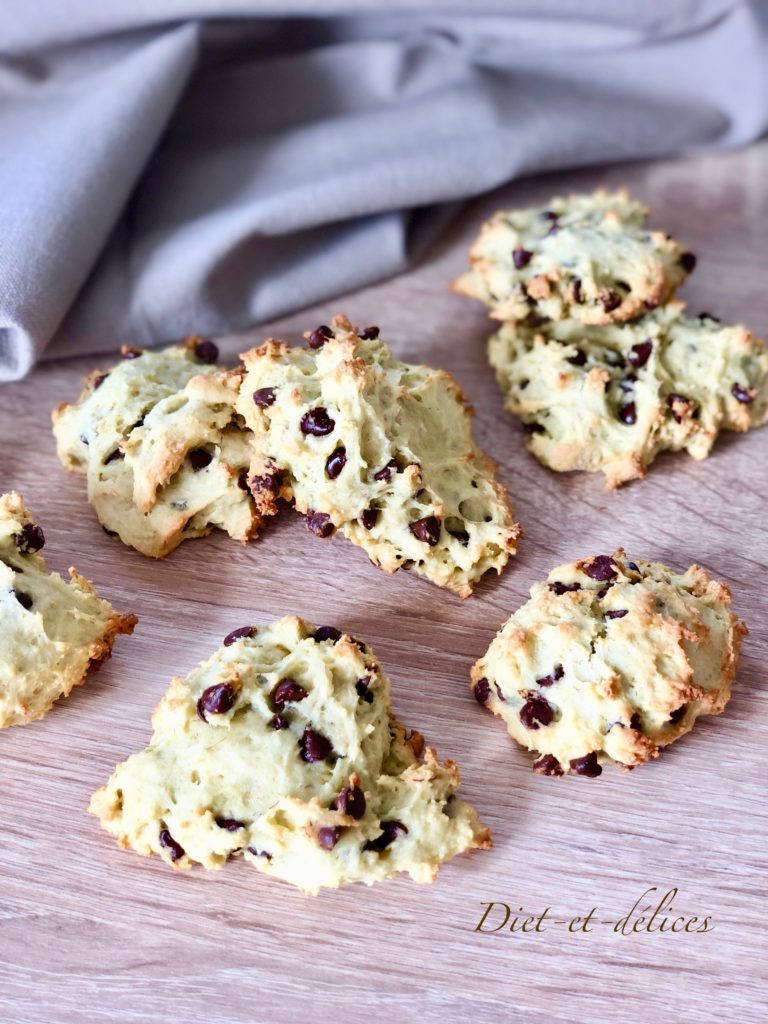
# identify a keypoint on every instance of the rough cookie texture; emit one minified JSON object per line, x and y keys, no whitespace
{"x":378,"y":449}
{"x":281,"y":749}
{"x":167,"y":457}
{"x":52,"y":631}
{"x":611,"y":398}
{"x":588,"y":257}
{"x":611,"y":660}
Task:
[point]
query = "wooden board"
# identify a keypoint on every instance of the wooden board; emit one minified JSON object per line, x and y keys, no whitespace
{"x":91,"y":933}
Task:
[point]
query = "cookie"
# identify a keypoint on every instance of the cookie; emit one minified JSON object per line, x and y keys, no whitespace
{"x":166,"y":456}
{"x":611,"y":660}
{"x":586,"y":257}
{"x":609,"y":399}
{"x":52,"y":632}
{"x":281,"y":749}
{"x":378,"y":449}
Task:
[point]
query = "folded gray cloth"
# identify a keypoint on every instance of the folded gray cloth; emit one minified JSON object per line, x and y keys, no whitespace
{"x":182,"y":165}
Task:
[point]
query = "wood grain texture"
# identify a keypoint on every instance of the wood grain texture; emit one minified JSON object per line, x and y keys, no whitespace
{"x":92,"y":933}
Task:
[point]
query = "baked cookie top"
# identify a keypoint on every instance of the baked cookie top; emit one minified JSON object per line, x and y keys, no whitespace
{"x":610,"y":660}
{"x":379,"y":449}
{"x":51,"y":632}
{"x":609,"y":399}
{"x":587,"y":257}
{"x":166,"y":456}
{"x":281,"y":749}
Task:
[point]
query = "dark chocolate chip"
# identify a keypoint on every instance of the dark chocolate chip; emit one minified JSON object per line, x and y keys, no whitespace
{"x":98,"y":381}
{"x":556,"y":673}
{"x":576,"y":295}
{"x":462,"y":536}
{"x":619,"y":613}
{"x":533,"y":428}
{"x":563,"y":588}
{"x":242,"y":481}
{"x":603,"y":591}
{"x":742,"y":394}
{"x":426,"y":529}
{"x":633,"y":566}
{"x":482,"y":691}
{"x":175,"y":850}
{"x":521,"y":258}
{"x":319,"y":336}
{"x":278,"y":722}
{"x":31,"y":538}
{"x":636,"y":722}
{"x":547,"y":765}
{"x":207,"y":351}
{"x":319,"y":523}
{"x":314,"y":746}
{"x":116,"y":455}
{"x":327,"y":633}
{"x":269,"y":482}
{"x":328,"y":836}
{"x":628,"y":382}
{"x":389,"y":833}
{"x":687,"y":261}
{"x":351,"y":801}
{"x":688,"y":403}
{"x":230,"y":824}
{"x":609,"y":299}
{"x":369,"y":333}
{"x":602,"y":568}
{"x":361,"y":687}
{"x":264,"y":397}
{"x":368,"y":518}
{"x":259,"y":853}
{"x":578,"y":359}
{"x":628,"y":414}
{"x":639,"y":354}
{"x":238,"y":634}
{"x":587,"y":765}
{"x":200,"y":458}
{"x":24,"y":599}
{"x":317,"y":422}
{"x":536,"y":712}
{"x":335,"y":462}
{"x":216,"y":700}
{"x":288,"y":691}
{"x":386,"y":472}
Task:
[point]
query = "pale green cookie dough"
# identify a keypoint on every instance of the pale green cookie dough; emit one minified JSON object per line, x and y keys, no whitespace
{"x":51,"y":632}
{"x":609,"y":399}
{"x":281,"y":749}
{"x":611,"y":660}
{"x":378,"y":449}
{"x":587,"y":257}
{"x":166,"y":456}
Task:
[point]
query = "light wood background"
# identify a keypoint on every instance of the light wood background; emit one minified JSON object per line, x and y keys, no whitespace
{"x":92,"y":933}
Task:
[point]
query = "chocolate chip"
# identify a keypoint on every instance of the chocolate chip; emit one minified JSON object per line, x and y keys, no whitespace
{"x":278,"y":722}
{"x":578,"y":359}
{"x":317,"y":422}
{"x":351,"y":801}
{"x":369,"y":333}
{"x":482,"y":691}
{"x":536,"y":712}
{"x":639,"y":354}
{"x":556,"y":673}
{"x":335,"y":462}
{"x":319,"y":523}
{"x":319,"y":336}
{"x":549,"y":215}
{"x":587,"y":765}
{"x":200,"y":458}
{"x":676,"y":400}
{"x":619,"y":613}
{"x":628,"y":382}
{"x":98,"y":381}
{"x":462,"y":536}
{"x":533,"y":428}
{"x":361,"y":688}
{"x":628,"y":414}
{"x":426,"y":530}
{"x":175,"y":851}
{"x":242,"y":481}
{"x":564,"y":588}
{"x":521,"y":258}
{"x":386,"y":472}
{"x":742,"y":394}
{"x":328,"y":836}
{"x":678,"y":714}
{"x":31,"y":538}
{"x":216,"y":700}
{"x":131,"y":353}
{"x":609,"y":300}
{"x":288,"y":691}
{"x":230,"y":824}
{"x":268,"y":482}
{"x":238,"y":634}
{"x":547,"y":765}
{"x":524,"y":383}
{"x":389,"y":833}
{"x":576,"y":295}
{"x":207,"y":351}
{"x":368,"y":518}
{"x":116,"y":455}
{"x":327,"y":633}
{"x":603,"y":591}
{"x":636,"y":722}
{"x":264,"y":397}
{"x":633,"y":566}
{"x":687,"y":261}
{"x":24,"y":599}
{"x":602,"y":568}
{"x":314,"y":746}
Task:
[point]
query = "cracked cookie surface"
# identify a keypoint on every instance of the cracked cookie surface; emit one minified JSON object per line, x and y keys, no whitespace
{"x":165,"y":454}
{"x":587,"y":257}
{"x":610,"y":660}
{"x":52,"y":631}
{"x":609,"y":399}
{"x":378,"y":449}
{"x":281,"y":749}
